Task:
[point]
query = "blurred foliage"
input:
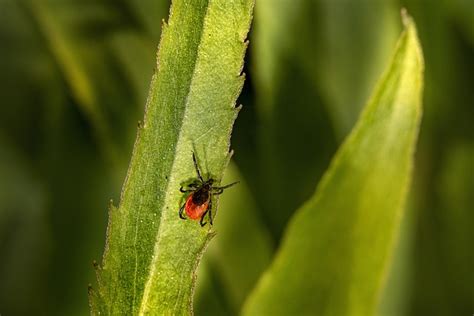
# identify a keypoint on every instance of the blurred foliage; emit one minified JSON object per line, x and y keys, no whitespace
{"x":73,"y":82}
{"x":330,"y":239}
{"x":227,"y":260}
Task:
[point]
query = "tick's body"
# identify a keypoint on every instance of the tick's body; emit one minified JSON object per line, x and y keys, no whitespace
{"x":199,"y":202}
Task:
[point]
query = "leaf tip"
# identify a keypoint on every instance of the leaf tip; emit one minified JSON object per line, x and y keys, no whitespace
{"x":412,"y":35}
{"x":406,"y":18}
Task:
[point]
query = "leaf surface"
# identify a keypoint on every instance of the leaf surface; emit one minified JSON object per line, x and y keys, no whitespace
{"x":338,"y":246}
{"x":151,"y":254}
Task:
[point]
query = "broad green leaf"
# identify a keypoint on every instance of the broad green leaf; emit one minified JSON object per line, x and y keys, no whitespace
{"x":230,"y":252}
{"x":151,"y":254}
{"x":394,"y":299}
{"x":325,"y":51}
{"x":338,"y":246}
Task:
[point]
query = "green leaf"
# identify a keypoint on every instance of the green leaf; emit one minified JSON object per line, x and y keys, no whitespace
{"x":151,"y":254}
{"x":338,"y":246}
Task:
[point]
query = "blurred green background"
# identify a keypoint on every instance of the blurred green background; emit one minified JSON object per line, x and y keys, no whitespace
{"x":73,"y":83}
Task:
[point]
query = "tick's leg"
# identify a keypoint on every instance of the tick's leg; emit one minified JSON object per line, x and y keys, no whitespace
{"x":191,"y":187}
{"x":181,"y":211}
{"x":183,"y":190}
{"x":197,"y":168}
{"x":195,"y":184}
{"x":226,"y":186}
{"x":202,"y":222}
{"x":217,"y":191}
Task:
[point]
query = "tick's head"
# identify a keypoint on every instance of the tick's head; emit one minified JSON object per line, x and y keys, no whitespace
{"x":207,"y":185}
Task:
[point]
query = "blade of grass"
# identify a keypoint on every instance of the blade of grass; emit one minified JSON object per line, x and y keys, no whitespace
{"x":338,"y":246}
{"x":151,"y":254}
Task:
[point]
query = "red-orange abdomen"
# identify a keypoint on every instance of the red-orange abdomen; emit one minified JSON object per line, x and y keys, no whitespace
{"x":193,"y":210}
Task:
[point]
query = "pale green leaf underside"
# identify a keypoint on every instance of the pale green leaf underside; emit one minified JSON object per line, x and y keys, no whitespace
{"x":151,"y":254}
{"x":337,"y":248}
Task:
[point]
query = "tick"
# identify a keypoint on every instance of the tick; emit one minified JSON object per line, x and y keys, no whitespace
{"x":199,"y":202}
